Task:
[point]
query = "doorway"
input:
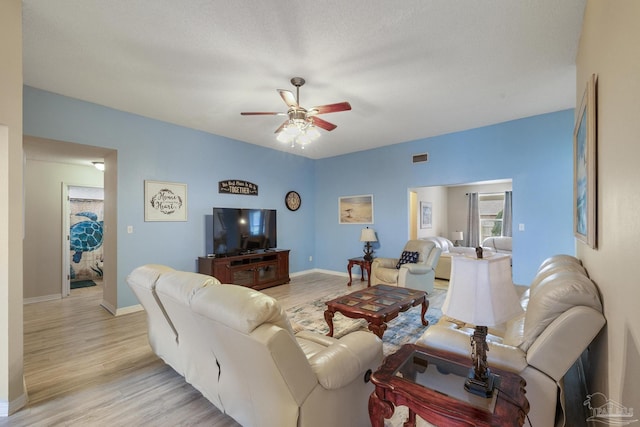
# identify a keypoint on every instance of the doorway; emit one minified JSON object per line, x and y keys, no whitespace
{"x":83,"y":259}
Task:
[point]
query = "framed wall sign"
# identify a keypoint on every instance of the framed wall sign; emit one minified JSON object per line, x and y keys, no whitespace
{"x":584,"y":167}
{"x":355,"y":209}
{"x":165,"y":201}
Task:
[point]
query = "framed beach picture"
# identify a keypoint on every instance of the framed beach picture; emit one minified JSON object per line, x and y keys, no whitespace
{"x":165,"y":201}
{"x":355,"y":209}
{"x":584,"y":167}
{"x":426,"y":215}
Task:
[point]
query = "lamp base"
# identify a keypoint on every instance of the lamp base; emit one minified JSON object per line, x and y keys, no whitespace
{"x":368,"y":252}
{"x":479,"y":387}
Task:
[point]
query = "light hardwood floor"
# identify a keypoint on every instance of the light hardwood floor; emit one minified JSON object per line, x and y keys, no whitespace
{"x":85,"y":367}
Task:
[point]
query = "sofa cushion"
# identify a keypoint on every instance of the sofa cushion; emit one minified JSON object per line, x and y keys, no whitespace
{"x":554,"y":295}
{"x":240,"y":308}
{"x":182,"y":285}
{"x":407,"y":257}
{"x":147,"y":275}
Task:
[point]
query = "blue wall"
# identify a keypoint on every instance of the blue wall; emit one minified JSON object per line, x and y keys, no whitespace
{"x":153,"y":150}
{"x":535,"y":152}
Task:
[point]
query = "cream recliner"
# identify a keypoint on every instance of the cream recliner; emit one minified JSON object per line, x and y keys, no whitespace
{"x":563,"y":314}
{"x":419,"y":275}
{"x":237,"y":347}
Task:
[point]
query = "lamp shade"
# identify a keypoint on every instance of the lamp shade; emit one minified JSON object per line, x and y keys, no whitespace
{"x":457,"y":235}
{"x":368,"y":235}
{"x":481,"y":291}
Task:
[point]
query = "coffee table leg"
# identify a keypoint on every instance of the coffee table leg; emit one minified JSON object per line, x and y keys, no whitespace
{"x":411,"y":419}
{"x":425,"y":307}
{"x":328,"y":316}
{"x":376,"y":329}
{"x":379,"y":410}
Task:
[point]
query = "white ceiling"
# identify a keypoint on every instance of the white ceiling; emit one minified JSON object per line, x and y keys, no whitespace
{"x":410,"y":69}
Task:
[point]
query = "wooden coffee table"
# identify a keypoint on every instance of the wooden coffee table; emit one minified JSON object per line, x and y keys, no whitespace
{"x":377,"y":305}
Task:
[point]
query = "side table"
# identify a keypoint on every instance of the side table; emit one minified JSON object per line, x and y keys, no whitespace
{"x":431,"y":384}
{"x":364,"y":266}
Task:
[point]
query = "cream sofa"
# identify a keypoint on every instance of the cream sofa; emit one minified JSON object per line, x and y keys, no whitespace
{"x":443,"y":268}
{"x":563,"y":314}
{"x":419,"y":275}
{"x":499,"y":244}
{"x":237,"y":347}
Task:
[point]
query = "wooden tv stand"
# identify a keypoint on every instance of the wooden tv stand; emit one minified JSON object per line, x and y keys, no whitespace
{"x":257,"y":270}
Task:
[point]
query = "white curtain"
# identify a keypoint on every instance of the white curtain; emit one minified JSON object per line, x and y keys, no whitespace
{"x":472,"y":239}
{"x":507,"y":215}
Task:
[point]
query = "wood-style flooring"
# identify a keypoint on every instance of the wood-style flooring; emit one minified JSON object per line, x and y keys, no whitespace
{"x":85,"y":367}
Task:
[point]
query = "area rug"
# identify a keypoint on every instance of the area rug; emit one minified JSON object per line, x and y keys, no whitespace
{"x":406,"y":328}
{"x":82,"y":284}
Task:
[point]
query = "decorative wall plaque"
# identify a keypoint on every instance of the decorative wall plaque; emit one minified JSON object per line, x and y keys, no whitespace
{"x":237,"y":186}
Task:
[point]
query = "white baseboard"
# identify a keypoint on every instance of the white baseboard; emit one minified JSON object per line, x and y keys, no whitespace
{"x":107,"y":306}
{"x":8,"y":408}
{"x":42,"y":298}
{"x":318,"y":270}
{"x":130,"y":309}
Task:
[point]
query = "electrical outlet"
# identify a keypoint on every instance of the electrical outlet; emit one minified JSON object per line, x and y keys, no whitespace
{"x":520,"y":227}
{"x":310,"y":258}
{"x":130,"y":229}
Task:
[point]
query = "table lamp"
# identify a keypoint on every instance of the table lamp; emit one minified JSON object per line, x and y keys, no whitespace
{"x":481,"y":293}
{"x":457,"y":237}
{"x":368,"y":235}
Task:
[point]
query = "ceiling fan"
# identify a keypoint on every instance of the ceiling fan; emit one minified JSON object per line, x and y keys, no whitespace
{"x":300,"y":127}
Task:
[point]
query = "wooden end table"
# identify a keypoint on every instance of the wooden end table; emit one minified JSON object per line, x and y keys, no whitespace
{"x":364,"y":266}
{"x":431,"y":384}
{"x":377,"y":305}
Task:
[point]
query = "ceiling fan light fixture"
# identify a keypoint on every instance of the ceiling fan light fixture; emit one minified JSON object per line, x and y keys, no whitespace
{"x":302,"y":125}
{"x":313,"y":132}
{"x":285,"y":137}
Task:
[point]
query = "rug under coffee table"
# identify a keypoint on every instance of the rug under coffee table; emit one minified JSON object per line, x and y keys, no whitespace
{"x":377,"y":305}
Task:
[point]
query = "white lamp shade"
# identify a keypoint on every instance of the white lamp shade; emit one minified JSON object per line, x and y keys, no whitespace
{"x":368,"y":235}
{"x":457,"y":235}
{"x":481,"y":291}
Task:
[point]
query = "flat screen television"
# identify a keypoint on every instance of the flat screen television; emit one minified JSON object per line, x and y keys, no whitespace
{"x":237,"y":231}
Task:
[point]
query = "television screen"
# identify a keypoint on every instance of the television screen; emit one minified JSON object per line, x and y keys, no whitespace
{"x":238,"y":231}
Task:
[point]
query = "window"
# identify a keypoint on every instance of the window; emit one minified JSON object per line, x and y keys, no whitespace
{"x":490,"y":208}
{"x":256,"y":223}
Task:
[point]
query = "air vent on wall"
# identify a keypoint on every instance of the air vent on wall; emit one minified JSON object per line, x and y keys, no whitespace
{"x":421,"y":158}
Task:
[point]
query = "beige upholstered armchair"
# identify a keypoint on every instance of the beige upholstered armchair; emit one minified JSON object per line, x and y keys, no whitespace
{"x":417,"y":273}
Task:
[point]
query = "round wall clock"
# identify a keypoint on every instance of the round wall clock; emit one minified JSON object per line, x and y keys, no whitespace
{"x":292,"y":200}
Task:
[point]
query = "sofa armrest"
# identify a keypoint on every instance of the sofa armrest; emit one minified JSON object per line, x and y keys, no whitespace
{"x":384,"y":263}
{"x":416,"y":268}
{"x":441,"y":337}
{"x":564,"y":340}
{"x":316,"y":337}
{"x":347,"y":359}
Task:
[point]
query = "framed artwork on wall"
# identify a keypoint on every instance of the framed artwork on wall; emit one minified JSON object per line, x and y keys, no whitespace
{"x":426,"y":215}
{"x":585,"y":168}
{"x":355,"y":209}
{"x":165,"y":201}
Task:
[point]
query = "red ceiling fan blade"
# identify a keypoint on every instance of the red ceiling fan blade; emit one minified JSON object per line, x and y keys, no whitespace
{"x":262,"y":113}
{"x":282,"y":126}
{"x":288,"y":98}
{"x":330,"y":108}
{"x":323,"y":124}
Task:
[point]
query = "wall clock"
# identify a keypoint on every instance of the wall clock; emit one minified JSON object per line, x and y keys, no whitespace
{"x":292,"y":200}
